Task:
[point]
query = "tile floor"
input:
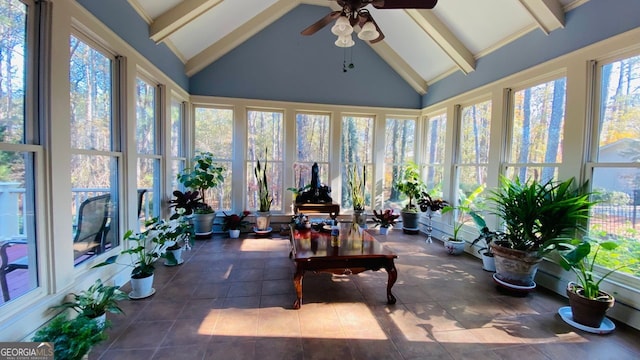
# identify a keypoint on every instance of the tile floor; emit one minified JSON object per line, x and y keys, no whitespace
{"x":232,"y":299}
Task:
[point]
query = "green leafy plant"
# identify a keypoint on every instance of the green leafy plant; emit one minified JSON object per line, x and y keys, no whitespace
{"x":204,"y":175}
{"x":71,"y":338}
{"x":385,"y":218}
{"x":427,"y":203}
{"x":98,"y":299}
{"x":465,"y":211}
{"x":541,"y":217}
{"x":356,"y":184}
{"x":411,"y":185}
{"x":264,"y":197}
{"x":147,"y":246}
{"x":579,"y":261}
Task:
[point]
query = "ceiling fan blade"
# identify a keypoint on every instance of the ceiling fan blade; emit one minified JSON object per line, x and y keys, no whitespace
{"x":313,"y":28}
{"x":404,"y":4}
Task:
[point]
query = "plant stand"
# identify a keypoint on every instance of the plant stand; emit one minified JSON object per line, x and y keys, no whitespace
{"x":429,"y":229}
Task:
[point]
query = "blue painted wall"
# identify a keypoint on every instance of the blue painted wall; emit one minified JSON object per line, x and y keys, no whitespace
{"x":280,"y":64}
{"x":592,"y":22}
{"x":120,"y":17}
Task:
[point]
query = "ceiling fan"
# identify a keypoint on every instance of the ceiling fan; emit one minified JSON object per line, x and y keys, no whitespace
{"x":354,"y":13}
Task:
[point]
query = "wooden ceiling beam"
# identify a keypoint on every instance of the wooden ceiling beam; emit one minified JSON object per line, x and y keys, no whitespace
{"x":548,"y":14}
{"x":177,"y":17}
{"x":445,"y":39}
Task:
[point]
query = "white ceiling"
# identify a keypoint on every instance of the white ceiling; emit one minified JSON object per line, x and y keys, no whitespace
{"x":421,"y":45}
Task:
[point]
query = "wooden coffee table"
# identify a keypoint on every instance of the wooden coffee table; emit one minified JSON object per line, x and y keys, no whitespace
{"x":351,"y":252}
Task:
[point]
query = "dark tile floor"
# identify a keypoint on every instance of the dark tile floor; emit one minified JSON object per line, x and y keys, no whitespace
{"x":232,"y":299}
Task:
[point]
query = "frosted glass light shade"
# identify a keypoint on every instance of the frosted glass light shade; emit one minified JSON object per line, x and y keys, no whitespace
{"x":345,"y":41}
{"x":342,"y":27}
{"x":368,"y":32}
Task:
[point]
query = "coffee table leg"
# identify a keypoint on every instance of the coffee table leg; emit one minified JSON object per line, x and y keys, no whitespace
{"x":393,"y":276}
{"x":297,"y":283}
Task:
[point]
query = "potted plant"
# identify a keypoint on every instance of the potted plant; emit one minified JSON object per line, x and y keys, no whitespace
{"x":486,"y":237}
{"x":411,"y":185}
{"x":464,"y":212}
{"x":185,"y":203}
{"x":430,"y":205}
{"x":96,"y":301}
{"x":180,"y":236}
{"x":356,"y":184}
{"x":72,"y":338}
{"x":144,"y":249}
{"x":265,"y":199}
{"x":539,"y":217}
{"x":385,"y":219}
{"x":204,"y":175}
{"x":234,"y":223}
{"x":588,"y":303}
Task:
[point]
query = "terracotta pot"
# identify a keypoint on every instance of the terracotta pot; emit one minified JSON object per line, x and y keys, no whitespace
{"x":585,"y":311}
{"x":515,"y":266}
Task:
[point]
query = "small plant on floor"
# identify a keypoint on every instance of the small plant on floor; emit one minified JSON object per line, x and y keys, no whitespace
{"x":385,"y":218}
{"x":235,"y":221}
{"x":72,"y":338}
{"x":97,"y":300}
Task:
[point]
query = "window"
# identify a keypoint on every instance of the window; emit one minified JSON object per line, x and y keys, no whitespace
{"x":177,"y":159}
{"x":537,"y":131}
{"x":312,"y":146}
{"x":435,"y":150}
{"x":94,"y":162}
{"x":148,"y":166}
{"x":265,"y":142}
{"x":399,"y":147}
{"x":473,"y":156}
{"x":356,"y":150}
{"x":616,"y":171}
{"x":214,"y":133}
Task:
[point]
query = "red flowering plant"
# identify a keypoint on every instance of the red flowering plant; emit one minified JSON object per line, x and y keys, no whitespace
{"x":235,"y":221}
{"x":385,"y":218}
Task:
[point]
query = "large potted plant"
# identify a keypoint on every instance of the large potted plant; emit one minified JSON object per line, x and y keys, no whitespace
{"x":464,"y":212}
{"x":356,"y":184}
{"x":202,"y":176}
{"x":588,"y":303}
{"x":411,"y":185}
{"x":72,"y":338}
{"x":539,"y":217}
{"x":144,"y":248}
{"x":263,"y":216}
{"x":96,"y":301}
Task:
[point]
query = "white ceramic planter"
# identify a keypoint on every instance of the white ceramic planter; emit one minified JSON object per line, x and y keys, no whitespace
{"x":488,"y":263}
{"x":454,"y":247}
{"x":176,"y":259}
{"x":384,"y":230}
{"x":142,"y":288}
{"x":234,"y":234}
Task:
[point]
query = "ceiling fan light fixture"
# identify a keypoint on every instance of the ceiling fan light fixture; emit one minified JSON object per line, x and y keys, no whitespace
{"x":342,"y":27}
{"x":368,"y":32}
{"x":345,"y":41}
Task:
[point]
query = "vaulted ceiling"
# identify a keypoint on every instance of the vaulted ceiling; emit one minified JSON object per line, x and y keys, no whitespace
{"x":422,"y":46}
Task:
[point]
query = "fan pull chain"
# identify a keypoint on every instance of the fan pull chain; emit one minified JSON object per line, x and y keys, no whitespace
{"x":344,"y":59}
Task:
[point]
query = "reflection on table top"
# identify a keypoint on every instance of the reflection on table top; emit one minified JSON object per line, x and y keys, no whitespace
{"x":351,"y":242}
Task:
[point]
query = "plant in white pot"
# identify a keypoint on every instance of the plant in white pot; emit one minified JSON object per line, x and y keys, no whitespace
{"x":538,"y":217}
{"x":72,"y":338}
{"x":411,"y":185}
{"x":95,"y":302}
{"x":263,"y":216}
{"x":588,"y":303}
{"x":465,"y":211}
{"x":234,"y":223}
{"x":180,"y":236}
{"x":356,"y":183}
{"x":385,"y":219}
{"x":143,"y":249}
{"x":204,"y":174}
